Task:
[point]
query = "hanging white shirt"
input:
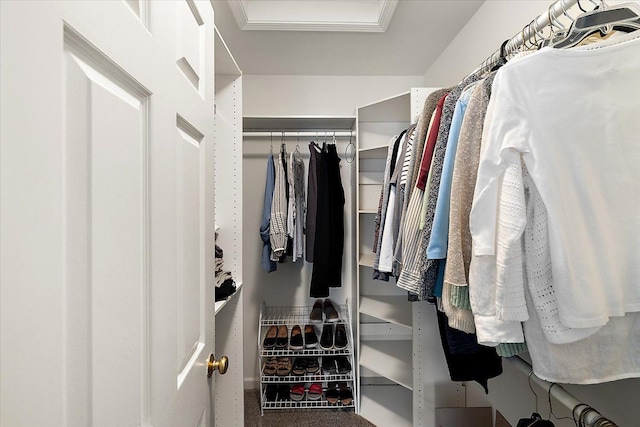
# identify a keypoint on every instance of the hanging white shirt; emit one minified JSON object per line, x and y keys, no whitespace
{"x":574,"y":117}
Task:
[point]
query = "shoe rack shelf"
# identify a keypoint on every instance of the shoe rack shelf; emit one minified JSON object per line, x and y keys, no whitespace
{"x":311,"y":378}
{"x":299,"y":315}
{"x":304,"y":404}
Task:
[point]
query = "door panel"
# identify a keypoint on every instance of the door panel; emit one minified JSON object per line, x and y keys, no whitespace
{"x":107,"y":213}
{"x":190,"y":287}
{"x":191,"y":43}
{"x":106,"y":227}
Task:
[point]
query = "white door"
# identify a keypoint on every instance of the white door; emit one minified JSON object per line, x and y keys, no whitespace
{"x":106,"y":210}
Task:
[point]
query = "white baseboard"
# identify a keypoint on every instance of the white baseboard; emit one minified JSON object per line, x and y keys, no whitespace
{"x":251,"y":383}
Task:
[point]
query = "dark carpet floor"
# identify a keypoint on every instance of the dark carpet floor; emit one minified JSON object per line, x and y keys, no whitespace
{"x":298,"y":417}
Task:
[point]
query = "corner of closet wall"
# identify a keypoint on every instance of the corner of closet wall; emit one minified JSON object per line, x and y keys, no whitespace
{"x":227,"y":118}
{"x":289,"y":285}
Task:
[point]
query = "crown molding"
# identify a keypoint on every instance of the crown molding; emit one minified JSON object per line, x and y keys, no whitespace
{"x":245,"y":22}
{"x":386,"y":13}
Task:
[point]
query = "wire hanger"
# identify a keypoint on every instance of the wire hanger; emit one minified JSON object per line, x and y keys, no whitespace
{"x":271,"y":149}
{"x":297,"y":151}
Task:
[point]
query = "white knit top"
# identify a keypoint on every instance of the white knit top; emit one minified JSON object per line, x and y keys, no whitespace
{"x":573,"y":117}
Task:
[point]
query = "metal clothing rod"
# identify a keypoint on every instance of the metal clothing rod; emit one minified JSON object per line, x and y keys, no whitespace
{"x":562,"y":395}
{"x":293,"y":134}
{"x":528,"y":32}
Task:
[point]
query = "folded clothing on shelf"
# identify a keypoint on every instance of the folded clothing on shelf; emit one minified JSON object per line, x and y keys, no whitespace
{"x":226,"y":289}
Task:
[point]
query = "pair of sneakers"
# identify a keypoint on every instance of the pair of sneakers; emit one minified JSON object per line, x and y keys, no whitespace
{"x":334,"y":338}
{"x":324,"y":307}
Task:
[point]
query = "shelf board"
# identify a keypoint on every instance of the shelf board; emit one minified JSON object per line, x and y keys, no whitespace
{"x":224,"y":62}
{"x":306,"y":352}
{"x":368,"y":211}
{"x":310,"y":378}
{"x":391,"y":359}
{"x":387,"y":405}
{"x":374,"y":152}
{"x":311,"y":404}
{"x":297,"y":123}
{"x":367,"y":260}
{"x":393,"y":309}
{"x":220,"y":304}
{"x":297,"y":315}
{"x":393,"y":109}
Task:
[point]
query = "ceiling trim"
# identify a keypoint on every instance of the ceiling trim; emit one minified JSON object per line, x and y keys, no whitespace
{"x":245,"y":22}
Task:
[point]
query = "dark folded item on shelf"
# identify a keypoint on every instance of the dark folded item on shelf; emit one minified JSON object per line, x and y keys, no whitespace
{"x":223,"y":291}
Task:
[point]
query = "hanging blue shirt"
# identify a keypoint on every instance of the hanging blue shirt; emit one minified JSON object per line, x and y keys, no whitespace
{"x":265,"y":225}
{"x":439,"y":238}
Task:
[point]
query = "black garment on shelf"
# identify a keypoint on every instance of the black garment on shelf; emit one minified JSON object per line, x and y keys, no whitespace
{"x":477,"y":366}
{"x":329,"y":234}
{"x":227,"y":288}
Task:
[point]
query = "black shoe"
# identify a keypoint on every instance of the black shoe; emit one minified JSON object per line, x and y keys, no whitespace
{"x":310,"y":337}
{"x":332,"y":394}
{"x":270,"y":339}
{"x":312,"y":365}
{"x":346,"y":395}
{"x":299,"y":366}
{"x":329,"y":365}
{"x":284,"y":393}
{"x":343,"y":364}
{"x":316,"y":312}
{"x":271,"y":392}
{"x":326,"y":340}
{"x":282,"y":339}
{"x":330,"y":312}
{"x":341,"y":337}
{"x":296,"y":342}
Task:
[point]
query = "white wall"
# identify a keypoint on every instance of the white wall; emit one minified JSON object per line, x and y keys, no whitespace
{"x":318,"y":95}
{"x":296,"y":96}
{"x":494,"y":22}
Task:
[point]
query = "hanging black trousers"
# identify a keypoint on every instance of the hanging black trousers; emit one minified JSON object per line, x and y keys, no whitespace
{"x":329,"y":235}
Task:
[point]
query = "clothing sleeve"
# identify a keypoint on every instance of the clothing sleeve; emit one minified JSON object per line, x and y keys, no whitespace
{"x":437,"y":248}
{"x":504,"y":127}
{"x":463,"y":181}
{"x":496,"y":282}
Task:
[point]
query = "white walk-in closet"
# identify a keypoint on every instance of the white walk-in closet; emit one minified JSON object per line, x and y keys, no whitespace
{"x":322,"y":212}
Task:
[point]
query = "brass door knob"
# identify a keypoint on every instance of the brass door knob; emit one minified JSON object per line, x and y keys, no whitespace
{"x":217,"y":365}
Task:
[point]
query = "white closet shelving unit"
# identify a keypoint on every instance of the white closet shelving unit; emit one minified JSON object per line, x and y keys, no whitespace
{"x":229,"y":393}
{"x":400,"y":361}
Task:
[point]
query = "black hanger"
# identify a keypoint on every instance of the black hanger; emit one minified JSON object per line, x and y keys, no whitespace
{"x":503,"y":59}
{"x":624,"y":17}
{"x":534,"y":421}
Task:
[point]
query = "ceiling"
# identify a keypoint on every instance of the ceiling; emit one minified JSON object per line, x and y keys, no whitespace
{"x":418,"y":31}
